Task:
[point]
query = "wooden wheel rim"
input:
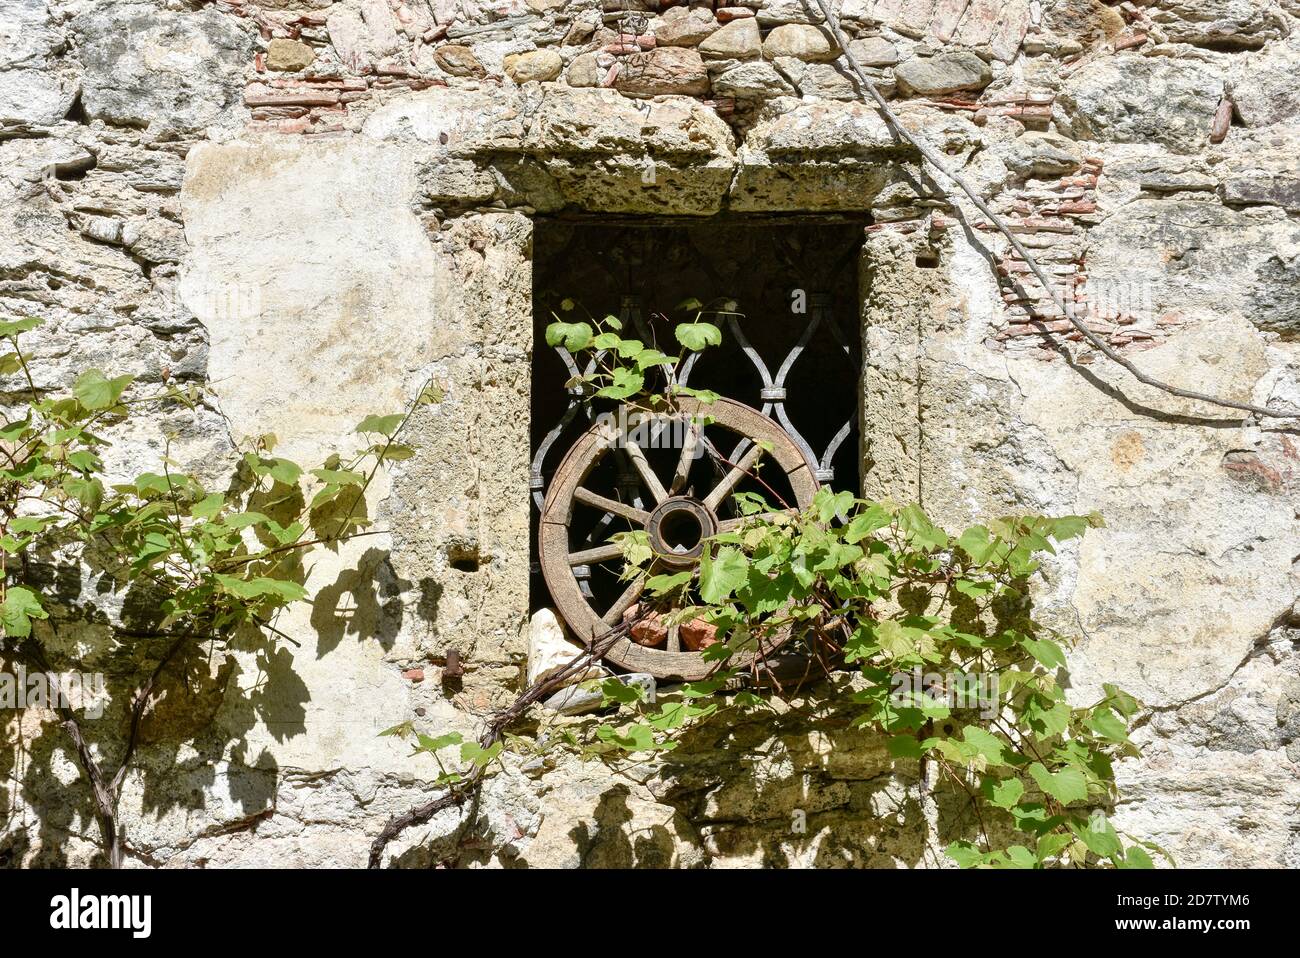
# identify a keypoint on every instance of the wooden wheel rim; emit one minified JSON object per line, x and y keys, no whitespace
{"x":557,"y":560}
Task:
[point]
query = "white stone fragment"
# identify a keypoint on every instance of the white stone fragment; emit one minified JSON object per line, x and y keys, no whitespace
{"x":549,"y":650}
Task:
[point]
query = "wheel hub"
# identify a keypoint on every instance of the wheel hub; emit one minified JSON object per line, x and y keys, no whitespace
{"x":677,"y":529}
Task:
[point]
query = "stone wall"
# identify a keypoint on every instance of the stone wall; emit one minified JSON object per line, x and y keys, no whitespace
{"x":311,"y":206}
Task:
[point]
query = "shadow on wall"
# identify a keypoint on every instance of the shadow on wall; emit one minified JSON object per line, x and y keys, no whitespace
{"x":793,"y":792}
{"x":194,"y":737}
{"x":606,"y":843}
{"x":798,"y":790}
{"x":366,"y":603}
{"x":802,"y":788}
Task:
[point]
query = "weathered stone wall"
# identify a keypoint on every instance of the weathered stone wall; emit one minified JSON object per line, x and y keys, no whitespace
{"x":312,"y":206}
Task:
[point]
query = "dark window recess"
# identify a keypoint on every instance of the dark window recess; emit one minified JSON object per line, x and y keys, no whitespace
{"x":797,"y":286}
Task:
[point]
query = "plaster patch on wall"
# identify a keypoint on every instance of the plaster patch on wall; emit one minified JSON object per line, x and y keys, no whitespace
{"x":1195,"y":565}
{"x":315,"y":280}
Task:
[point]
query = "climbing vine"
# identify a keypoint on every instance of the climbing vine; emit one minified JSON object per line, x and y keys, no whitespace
{"x":195,"y":567}
{"x":928,"y":634}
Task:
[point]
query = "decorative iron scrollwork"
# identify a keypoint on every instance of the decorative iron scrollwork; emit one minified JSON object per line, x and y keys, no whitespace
{"x":773,"y":396}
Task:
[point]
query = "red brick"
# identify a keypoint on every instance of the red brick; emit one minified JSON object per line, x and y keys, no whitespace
{"x":1135,"y":40}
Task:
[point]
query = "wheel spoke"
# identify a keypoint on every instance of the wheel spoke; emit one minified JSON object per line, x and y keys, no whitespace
{"x":674,"y":638}
{"x":689,"y":445}
{"x":601,"y":531}
{"x":657,"y":491}
{"x":639,"y":516}
{"x":729,"y":481}
{"x":624,"y":601}
{"x":599,"y":554}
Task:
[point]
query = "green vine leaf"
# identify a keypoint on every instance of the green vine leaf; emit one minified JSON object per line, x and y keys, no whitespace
{"x":95,"y":391}
{"x":1099,"y":835}
{"x":977,"y":543}
{"x":12,"y":327}
{"x":1134,"y":857}
{"x":1005,"y":794}
{"x":636,"y":738}
{"x":965,"y":854}
{"x":624,"y":383}
{"x":1108,"y":725}
{"x":380,"y":425}
{"x":621,"y":693}
{"x":1047,"y":652}
{"x":1016,"y":856}
{"x":905,"y":746}
{"x":722,"y":574}
{"x":572,"y":336}
{"x":1066,"y":786}
{"x":985,"y":744}
{"x":478,"y":756}
{"x":19,"y":608}
{"x":661,"y":584}
{"x":433,"y":745}
{"x":262,"y":586}
{"x":697,"y":336}
{"x":208,"y":507}
{"x":210,"y":566}
{"x":285,"y":471}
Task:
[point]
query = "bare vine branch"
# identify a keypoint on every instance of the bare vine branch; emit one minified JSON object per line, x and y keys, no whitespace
{"x":496,"y":725}
{"x":105,"y":790}
{"x":933,"y":157}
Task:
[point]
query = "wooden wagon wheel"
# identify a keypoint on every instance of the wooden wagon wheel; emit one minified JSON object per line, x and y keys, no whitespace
{"x":675,"y":517}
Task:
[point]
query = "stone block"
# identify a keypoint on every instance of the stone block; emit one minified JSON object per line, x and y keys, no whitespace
{"x":182,"y":71}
